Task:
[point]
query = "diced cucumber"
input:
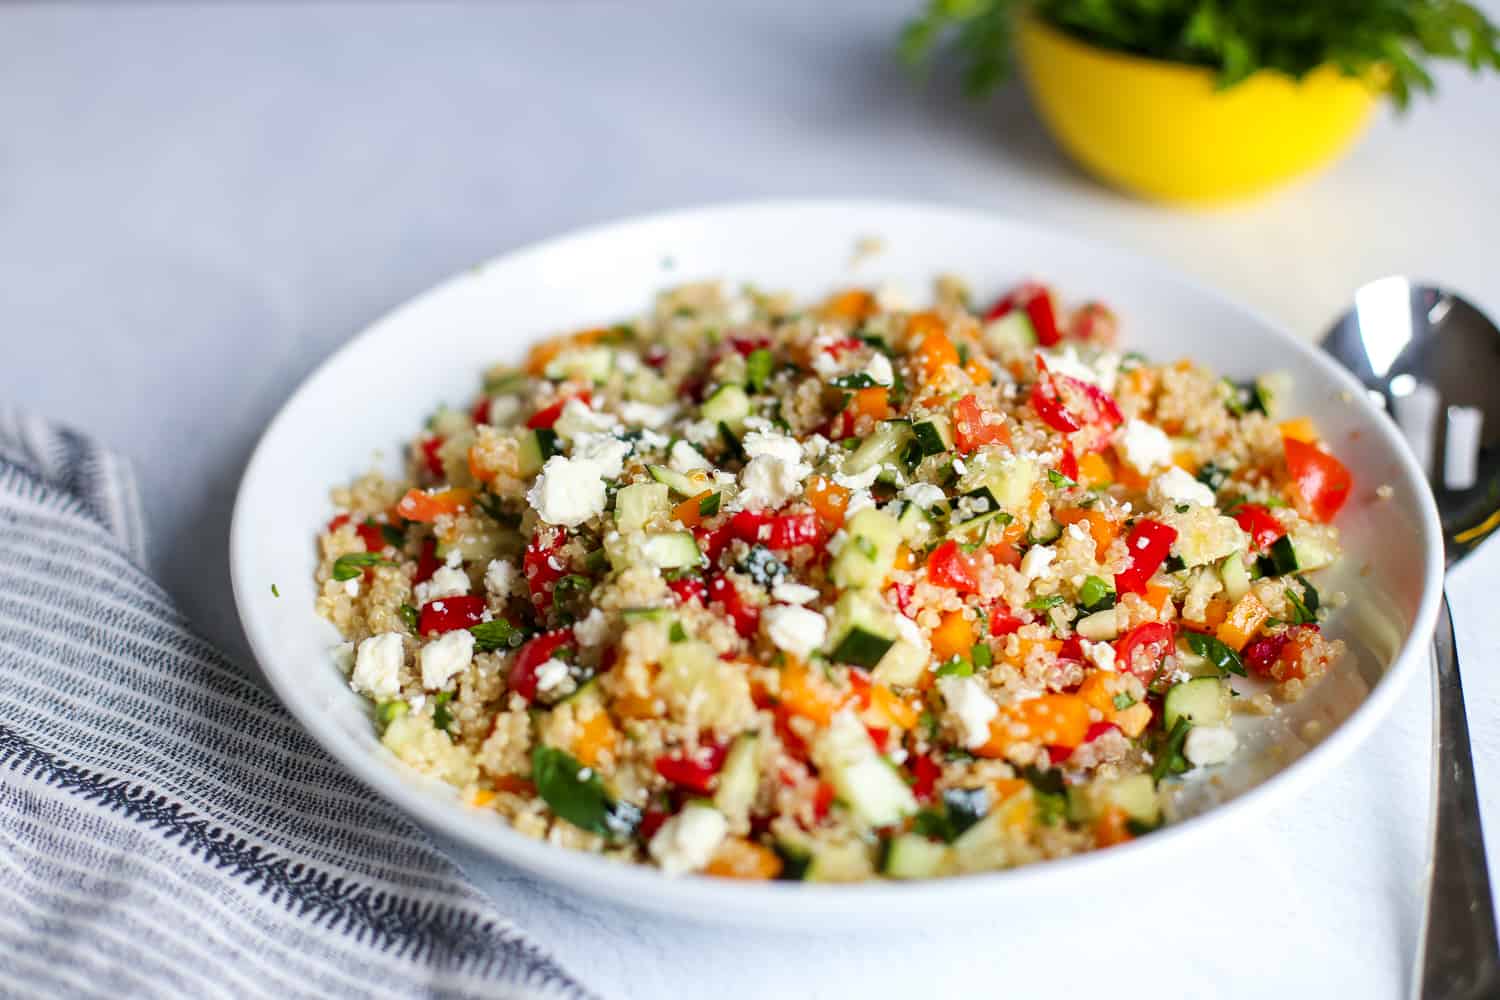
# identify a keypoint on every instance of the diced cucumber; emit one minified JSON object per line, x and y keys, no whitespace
{"x":693,"y":675}
{"x":593,"y":363}
{"x":869,"y":552}
{"x":1136,"y":795}
{"x":844,"y":862}
{"x":866,"y":782}
{"x":915,"y":525}
{"x":883,"y":445}
{"x":1010,"y":333}
{"x":1314,"y":546}
{"x":1280,"y":559}
{"x":796,"y":857}
{"x":645,"y":386}
{"x":728,"y":405}
{"x":638,"y":504}
{"x":985,"y":846}
{"x":631,"y":615}
{"x":933,"y":435}
{"x":1203,"y":701}
{"x":739,"y":779}
{"x":861,"y":629}
{"x":536,"y":447}
{"x":902,"y":664}
{"x":1101,"y":626}
{"x":683,"y":486}
{"x":1044,"y":532}
{"x":911,"y":855}
{"x":1235,"y":576}
{"x":1010,"y":481}
{"x":672,"y":550}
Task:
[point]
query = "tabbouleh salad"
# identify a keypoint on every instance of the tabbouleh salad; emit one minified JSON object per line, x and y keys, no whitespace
{"x":838,"y":591}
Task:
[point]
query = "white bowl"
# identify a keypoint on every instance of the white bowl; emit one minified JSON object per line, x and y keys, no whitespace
{"x":375,"y":392}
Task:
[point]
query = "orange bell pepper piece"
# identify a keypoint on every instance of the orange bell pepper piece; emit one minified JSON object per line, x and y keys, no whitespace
{"x":828,"y":500}
{"x":953,"y":637}
{"x":744,"y":859}
{"x":428,"y":507}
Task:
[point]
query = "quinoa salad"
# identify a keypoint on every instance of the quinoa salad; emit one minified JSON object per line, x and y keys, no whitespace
{"x":837,"y":590}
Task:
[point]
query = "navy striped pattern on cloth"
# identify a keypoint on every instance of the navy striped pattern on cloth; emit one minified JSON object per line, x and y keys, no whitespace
{"x":166,"y":828}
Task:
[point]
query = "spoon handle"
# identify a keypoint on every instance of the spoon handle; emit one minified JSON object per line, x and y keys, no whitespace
{"x":1460,"y":957}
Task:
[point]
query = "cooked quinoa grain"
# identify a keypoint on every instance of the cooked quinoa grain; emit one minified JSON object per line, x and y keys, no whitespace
{"x":836,"y":592}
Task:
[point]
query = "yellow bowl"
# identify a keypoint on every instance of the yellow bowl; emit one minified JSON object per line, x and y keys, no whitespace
{"x":1162,"y":129}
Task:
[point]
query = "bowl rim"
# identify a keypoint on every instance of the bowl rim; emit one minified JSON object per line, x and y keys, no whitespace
{"x":784,"y":904}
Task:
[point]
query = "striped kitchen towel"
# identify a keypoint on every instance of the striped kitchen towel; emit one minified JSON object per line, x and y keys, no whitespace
{"x":166,"y":829}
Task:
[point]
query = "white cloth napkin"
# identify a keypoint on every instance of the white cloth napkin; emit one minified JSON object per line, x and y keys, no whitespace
{"x":166,"y":829}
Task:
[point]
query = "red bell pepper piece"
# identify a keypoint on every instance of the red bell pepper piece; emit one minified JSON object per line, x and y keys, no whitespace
{"x":746,"y":617}
{"x":1069,"y":464}
{"x":370,"y":534}
{"x":651,"y":821}
{"x":776,"y":531}
{"x":1149,"y":544}
{"x":842,"y":345}
{"x":696,"y":772}
{"x":430,"y":455}
{"x":1049,"y":406}
{"x":1320,"y":482}
{"x":481,"y":412}
{"x":547,"y":416}
{"x":1142,"y":649}
{"x":903,"y":592}
{"x":1262,"y":654}
{"x":689,"y":588}
{"x":338,"y":522}
{"x":746,"y":345}
{"x":543,"y":566}
{"x":449,"y":613}
{"x":1072,"y":649}
{"x":822,"y":799}
{"x":1260,"y":524}
{"x":1037,"y":301}
{"x":950,"y":566}
{"x":1002,"y":622}
{"x":427,"y":561}
{"x":711,"y":541}
{"x":532,"y":655}
{"x":925,"y":772}
{"x":1097,"y":729}
{"x":970,"y":430}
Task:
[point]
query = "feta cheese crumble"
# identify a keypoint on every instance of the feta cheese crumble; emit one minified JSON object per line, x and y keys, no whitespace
{"x":1175,"y":487}
{"x":445,"y":656}
{"x":445,"y":582}
{"x":971,"y":706}
{"x":1037,"y":562}
{"x":499,"y":577}
{"x":1144,"y":445}
{"x":796,"y":630}
{"x":685,"y":458}
{"x":775,"y":472}
{"x":376,"y":665}
{"x":567,"y":492}
{"x":793,"y":593}
{"x":924,"y":495}
{"x":687,"y":841}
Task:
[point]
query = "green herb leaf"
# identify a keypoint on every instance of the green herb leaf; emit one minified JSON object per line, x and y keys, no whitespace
{"x":1302,"y":614}
{"x":1225,"y":660}
{"x":758,"y":369}
{"x":1096,"y":594}
{"x":956,"y":667}
{"x":709,"y":505}
{"x":1059,"y":480}
{"x":576,"y":793}
{"x":1309,"y":594}
{"x":1044,"y":603}
{"x":982,"y":656}
{"x":495,"y":635}
{"x":855,"y":380}
{"x":441,"y":717}
{"x":347,"y":567}
{"x":677,"y":633}
{"x":1168,"y":752}
{"x":1122,"y":701}
{"x":274,"y":591}
{"x":389,"y":711}
{"x":410,"y":616}
{"x":393,"y":536}
{"x":1049,"y":782}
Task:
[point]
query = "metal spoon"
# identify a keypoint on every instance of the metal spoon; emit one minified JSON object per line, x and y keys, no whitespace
{"x":1433,"y":361}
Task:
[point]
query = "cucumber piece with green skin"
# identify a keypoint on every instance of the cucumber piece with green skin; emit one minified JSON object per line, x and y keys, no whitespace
{"x":915,"y":524}
{"x":728,"y":405}
{"x":1013,"y":331}
{"x":592,"y":363}
{"x":1235,"y":576}
{"x":1280,"y":559}
{"x":1044,"y":533}
{"x":796,"y":858}
{"x":911,"y":855}
{"x":672,"y":550}
{"x":1135,"y":795}
{"x":860,"y":629}
{"x":536,"y":447}
{"x":862,"y":779}
{"x":869,"y":552}
{"x":845,"y":862}
{"x":1203,"y":701}
{"x":1010,"y":481}
{"x":902,"y":665}
{"x":739,"y":779}
{"x":933,"y":435}
{"x":638,"y":504}
{"x":632,"y":615}
{"x":675,"y":481}
{"x":1312,"y":551}
{"x":883,"y":445}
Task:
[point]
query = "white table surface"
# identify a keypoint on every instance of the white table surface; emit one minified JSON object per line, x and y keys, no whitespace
{"x":198,"y":204}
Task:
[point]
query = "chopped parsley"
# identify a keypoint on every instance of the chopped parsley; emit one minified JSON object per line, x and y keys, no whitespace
{"x":441,"y":717}
{"x":274,"y":591}
{"x":758,"y":369}
{"x":1122,"y":701}
{"x":1225,"y":660}
{"x":1044,"y":603}
{"x":409,"y":616}
{"x":956,"y":667}
{"x":1301,"y":613}
{"x":490,"y":636}
{"x":709,"y":505}
{"x":677,"y":633}
{"x":347,"y":567}
{"x":1059,"y":480}
{"x":1168,"y":751}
